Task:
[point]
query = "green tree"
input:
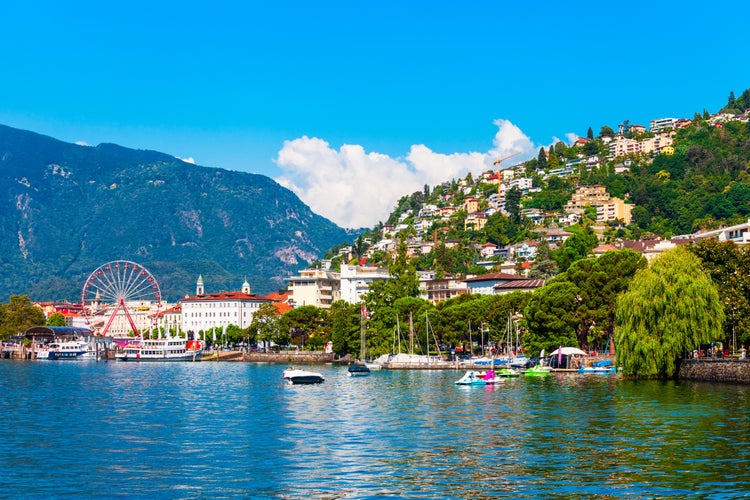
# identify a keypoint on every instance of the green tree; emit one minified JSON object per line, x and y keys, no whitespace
{"x":542,"y":158}
{"x":550,"y":317}
{"x":19,"y":315}
{"x":590,"y":134}
{"x":306,"y":326}
{"x":599,"y":281}
{"x":606,"y":130}
{"x":265,"y":326}
{"x":728,"y":265}
{"x":591,"y":148}
{"x":513,"y":204}
{"x":670,"y":309}
{"x":345,"y":322}
{"x":404,"y":280}
{"x":575,"y":248}
{"x":56,"y":319}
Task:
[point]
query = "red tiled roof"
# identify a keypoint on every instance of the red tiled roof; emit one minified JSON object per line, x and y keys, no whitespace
{"x":282,"y":307}
{"x":282,"y":296}
{"x":225,"y":296}
{"x":604,"y":248}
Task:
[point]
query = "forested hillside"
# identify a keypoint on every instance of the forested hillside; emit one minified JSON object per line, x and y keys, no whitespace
{"x":701,"y":182}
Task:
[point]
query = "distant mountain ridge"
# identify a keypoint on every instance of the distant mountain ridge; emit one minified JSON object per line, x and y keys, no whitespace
{"x":66,"y":209}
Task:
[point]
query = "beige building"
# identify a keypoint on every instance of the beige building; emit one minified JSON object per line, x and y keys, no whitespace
{"x":614,"y":209}
{"x":586,"y":196}
{"x":315,"y":287}
{"x":607,"y":208}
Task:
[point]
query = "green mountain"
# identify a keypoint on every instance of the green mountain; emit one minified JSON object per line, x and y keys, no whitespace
{"x":66,"y":209}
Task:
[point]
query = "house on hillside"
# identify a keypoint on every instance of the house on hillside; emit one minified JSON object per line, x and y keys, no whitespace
{"x":497,"y":283}
{"x":488,"y":250}
{"x":555,"y":237}
{"x":438,"y":290}
{"x":525,"y":250}
{"x":471,"y":204}
{"x":475,"y":220}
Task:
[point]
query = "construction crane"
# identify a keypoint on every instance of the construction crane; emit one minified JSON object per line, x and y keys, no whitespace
{"x":499,"y":162}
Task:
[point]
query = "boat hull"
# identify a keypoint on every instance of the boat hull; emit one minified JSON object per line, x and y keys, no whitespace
{"x":358,"y":371}
{"x":164,"y":349}
{"x":146,"y":358}
{"x":602,"y":371}
{"x":537,"y":371}
{"x":300,"y":377}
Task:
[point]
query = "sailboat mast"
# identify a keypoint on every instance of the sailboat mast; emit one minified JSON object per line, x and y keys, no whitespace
{"x":362,"y":337}
{"x":411,"y":334}
{"x":471,"y":342}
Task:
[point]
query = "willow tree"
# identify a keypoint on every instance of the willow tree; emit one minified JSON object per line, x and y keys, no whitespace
{"x":669,"y":309}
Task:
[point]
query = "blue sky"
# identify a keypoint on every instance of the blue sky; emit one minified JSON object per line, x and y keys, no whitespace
{"x":352,"y":104}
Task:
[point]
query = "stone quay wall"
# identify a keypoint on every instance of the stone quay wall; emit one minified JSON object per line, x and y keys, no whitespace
{"x":290,"y":358}
{"x":735,"y":371}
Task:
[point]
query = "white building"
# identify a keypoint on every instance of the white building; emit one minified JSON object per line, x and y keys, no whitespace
{"x":662,"y":124}
{"x":207,"y":310}
{"x":355,"y":281}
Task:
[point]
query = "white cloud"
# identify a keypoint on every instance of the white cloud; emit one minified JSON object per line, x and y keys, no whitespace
{"x":354,"y":188}
{"x":189,"y":159}
{"x":83,"y":143}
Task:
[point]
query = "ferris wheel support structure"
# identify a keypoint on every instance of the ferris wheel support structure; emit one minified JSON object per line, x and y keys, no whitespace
{"x":122,"y":305}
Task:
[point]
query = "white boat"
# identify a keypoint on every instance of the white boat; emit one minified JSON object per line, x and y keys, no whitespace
{"x":69,"y":350}
{"x":169,"y":349}
{"x":358,"y":370}
{"x":297,"y":376}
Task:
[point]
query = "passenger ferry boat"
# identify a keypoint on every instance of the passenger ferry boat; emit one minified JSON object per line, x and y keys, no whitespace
{"x":170,"y":349}
{"x":72,"y":349}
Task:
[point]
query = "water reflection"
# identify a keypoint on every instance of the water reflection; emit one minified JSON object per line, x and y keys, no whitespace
{"x":236,"y":430}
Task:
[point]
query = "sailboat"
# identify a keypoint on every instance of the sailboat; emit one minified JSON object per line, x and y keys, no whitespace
{"x":515,"y":359}
{"x":411,"y":360}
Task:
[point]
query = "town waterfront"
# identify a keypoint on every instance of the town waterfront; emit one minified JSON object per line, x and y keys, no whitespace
{"x":235,"y":430}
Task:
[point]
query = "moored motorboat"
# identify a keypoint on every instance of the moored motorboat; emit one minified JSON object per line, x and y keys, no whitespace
{"x":296,"y":376}
{"x":72,"y":349}
{"x":163,"y":349}
{"x":358,"y":370}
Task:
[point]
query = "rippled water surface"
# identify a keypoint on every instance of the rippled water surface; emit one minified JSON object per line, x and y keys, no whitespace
{"x":235,"y":430}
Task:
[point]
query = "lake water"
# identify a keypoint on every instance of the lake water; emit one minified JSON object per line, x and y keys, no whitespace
{"x":235,"y":430}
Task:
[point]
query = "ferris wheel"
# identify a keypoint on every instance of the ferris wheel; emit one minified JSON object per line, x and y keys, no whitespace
{"x":113,"y":289}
